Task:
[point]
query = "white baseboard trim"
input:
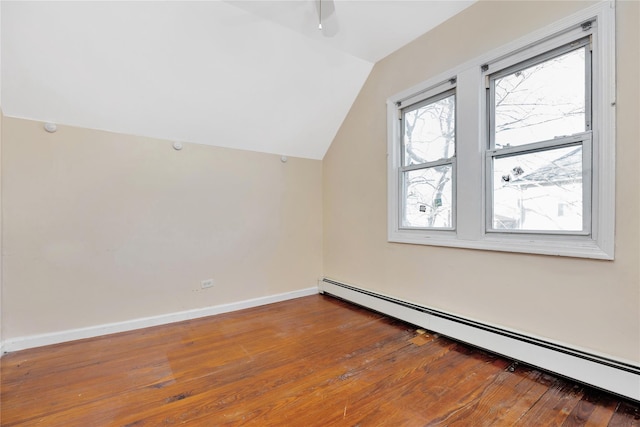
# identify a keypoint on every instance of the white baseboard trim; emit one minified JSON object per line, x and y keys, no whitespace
{"x":31,"y":341}
{"x":615,"y":376}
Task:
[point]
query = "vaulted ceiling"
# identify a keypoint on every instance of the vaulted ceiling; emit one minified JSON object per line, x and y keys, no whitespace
{"x":253,"y":75}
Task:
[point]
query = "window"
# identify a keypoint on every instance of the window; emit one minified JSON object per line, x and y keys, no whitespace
{"x":540,"y":143}
{"x":513,"y":151}
{"x":428,"y":162}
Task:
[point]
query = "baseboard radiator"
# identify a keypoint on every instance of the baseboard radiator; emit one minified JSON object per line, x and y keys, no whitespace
{"x":611,"y":375}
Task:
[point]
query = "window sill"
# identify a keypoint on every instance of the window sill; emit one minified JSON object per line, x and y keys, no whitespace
{"x":577,"y":247}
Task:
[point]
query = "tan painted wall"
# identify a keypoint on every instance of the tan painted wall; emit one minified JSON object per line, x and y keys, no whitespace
{"x":102,"y":227}
{"x":1,"y":246}
{"x":588,"y":304}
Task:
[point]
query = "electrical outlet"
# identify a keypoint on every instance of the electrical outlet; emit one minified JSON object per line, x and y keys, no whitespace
{"x":206,"y":283}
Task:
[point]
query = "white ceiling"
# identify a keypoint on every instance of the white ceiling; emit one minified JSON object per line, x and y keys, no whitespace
{"x":253,"y":75}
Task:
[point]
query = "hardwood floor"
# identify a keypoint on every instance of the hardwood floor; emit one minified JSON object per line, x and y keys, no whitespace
{"x":313,"y":361}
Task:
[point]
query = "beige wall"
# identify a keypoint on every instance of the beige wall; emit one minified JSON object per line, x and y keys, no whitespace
{"x":594,"y":305}
{"x":1,"y":282}
{"x":102,"y":227}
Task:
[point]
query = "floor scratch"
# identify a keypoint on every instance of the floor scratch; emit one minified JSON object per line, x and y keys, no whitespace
{"x":247,"y":353}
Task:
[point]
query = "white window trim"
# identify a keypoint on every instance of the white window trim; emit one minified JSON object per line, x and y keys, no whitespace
{"x":470,"y":139}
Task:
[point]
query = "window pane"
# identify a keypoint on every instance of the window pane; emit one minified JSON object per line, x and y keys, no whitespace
{"x":541,"y":102}
{"x":429,"y":132}
{"x":427,"y":197}
{"x":539,"y":191}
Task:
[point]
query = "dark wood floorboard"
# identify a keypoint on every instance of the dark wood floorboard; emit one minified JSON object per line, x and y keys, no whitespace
{"x":313,"y":361}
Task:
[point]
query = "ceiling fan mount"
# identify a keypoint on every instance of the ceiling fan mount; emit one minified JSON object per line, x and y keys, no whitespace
{"x":327,"y":20}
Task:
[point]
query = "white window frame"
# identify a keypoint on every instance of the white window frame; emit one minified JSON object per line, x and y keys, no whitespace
{"x":472,"y":146}
{"x":559,"y":45}
{"x":431,"y":94}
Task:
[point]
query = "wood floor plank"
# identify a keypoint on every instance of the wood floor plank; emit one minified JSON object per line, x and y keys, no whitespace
{"x":626,"y":415}
{"x":308,"y":375}
{"x":582,"y":412}
{"x":604,"y":408}
{"x":314,"y":361}
{"x":553,"y":408}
